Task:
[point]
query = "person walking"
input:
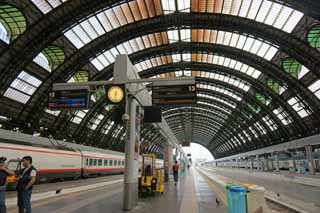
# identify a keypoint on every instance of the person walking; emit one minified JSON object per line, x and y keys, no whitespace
{"x":175,"y":169}
{"x":4,"y":173}
{"x":27,"y":178}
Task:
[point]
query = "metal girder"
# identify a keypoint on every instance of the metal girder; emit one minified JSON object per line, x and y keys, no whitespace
{"x":259,"y":86}
{"x":231,"y":116}
{"x":268,"y":68}
{"x":308,"y":56}
{"x":287,"y":42}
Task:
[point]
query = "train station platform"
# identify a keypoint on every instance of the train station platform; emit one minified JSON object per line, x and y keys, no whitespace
{"x":191,"y":195}
{"x":297,"y":193}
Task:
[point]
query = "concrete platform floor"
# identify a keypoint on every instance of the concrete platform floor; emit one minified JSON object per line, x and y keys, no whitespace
{"x":191,"y":195}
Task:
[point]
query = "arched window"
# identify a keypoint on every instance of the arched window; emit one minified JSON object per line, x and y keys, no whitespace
{"x":294,"y":68}
{"x":12,"y":23}
{"x":313,"y":37}
{"x":50,"y":58}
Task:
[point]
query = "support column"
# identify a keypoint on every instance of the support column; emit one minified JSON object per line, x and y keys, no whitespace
{"x":167,"y":162}
{"x":258,"y":162}
{"x":130,"y":194}
{"x":276,"y":160}
{"x":310,"y":159}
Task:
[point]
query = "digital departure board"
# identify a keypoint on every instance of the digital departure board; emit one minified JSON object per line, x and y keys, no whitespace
{"x":163,"y":95}
{"x":68,"y":99}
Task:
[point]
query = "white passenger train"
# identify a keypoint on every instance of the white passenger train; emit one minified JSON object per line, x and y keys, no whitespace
{"x":58,"y":160}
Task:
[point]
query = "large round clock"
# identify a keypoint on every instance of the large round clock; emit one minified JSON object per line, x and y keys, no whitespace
{"x":115,"y":94}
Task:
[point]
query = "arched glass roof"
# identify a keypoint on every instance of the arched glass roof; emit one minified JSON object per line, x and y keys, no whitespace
{"x":255,"y":64}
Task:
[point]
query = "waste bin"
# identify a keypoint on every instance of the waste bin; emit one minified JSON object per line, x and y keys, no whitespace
{"x":236,"y":199}
{"x":255,"y":199}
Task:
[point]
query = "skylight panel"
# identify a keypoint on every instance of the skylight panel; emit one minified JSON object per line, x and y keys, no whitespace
{"x":43,"y":5}
{"x":102,"y":58}
{"x":273,"y":14}
{"x":74,"y":39}
{"x":42,"y":61}
{"x":104,"y":20}
{"x":97,"y":64}
{"x":271,"y":53}
{"x":264,"y":11}
{"x":96,"y":26}
{"x":292,"y":21}
{"x":185,"y":35}
{"x":243,"y":11}
{"x":183,"y":5}
{"x":248,"y":44}
{"x":112,"y":18}
{"x":54,"y":113}
{"x":168,"y":6}
{"x":173,"y":36}
{"x":298,"y":107}
{"x":79,"y":31}
{"x":22,"y":87}
{"x":303,"y":72}
{"x":90,"y":31}
{"x":282,"y":17}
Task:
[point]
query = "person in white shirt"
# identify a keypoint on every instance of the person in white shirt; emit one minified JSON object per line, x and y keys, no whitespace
{"x":25,"y":184}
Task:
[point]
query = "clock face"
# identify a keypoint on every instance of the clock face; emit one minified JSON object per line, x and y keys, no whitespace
{"x":115,"y":94}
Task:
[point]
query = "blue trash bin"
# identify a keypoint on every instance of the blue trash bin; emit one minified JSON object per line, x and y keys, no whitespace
{"x":237,"y":202}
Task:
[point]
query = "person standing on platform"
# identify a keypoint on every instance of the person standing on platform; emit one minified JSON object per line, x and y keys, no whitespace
{"x":175,"y":169}
{"x":27,"y":178}
{"x":4,"y":173}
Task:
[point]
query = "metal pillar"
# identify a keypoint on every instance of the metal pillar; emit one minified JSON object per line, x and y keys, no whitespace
{"x":310,"y":159}
{"x":258,"y":162}
{"x":276,"y":160}
{"x":130,"y":193}
{"x":167,"y":162}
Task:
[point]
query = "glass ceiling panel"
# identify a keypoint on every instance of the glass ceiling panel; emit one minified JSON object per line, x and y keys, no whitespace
{"x":215,"y":106}
{"x":199,"y":57}
{"x":156,"y":39}
{"x":47,"y":5}
{"x":221,"y":90}
{"x":23,"y":87}
{"x":271,"y":13}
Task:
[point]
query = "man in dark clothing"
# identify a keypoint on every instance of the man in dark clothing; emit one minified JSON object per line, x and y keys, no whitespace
{"x":4,"y":173}
{"x":175,"y":169}
{"x":27,"y":177}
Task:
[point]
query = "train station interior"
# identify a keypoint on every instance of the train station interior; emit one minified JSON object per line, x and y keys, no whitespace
{"x":179,"y":106}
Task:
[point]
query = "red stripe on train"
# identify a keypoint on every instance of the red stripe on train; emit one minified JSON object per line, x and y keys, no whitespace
{"x":58,"y":153}
{"x":46,"y":171}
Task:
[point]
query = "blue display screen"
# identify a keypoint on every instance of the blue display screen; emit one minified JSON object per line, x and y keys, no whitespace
{"x":68,"y":99}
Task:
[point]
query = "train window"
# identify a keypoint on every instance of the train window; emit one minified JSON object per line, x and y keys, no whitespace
{"x":123,"y":163}
{"x":106,"y":162}
{"x":87,"y":162}
{"x":114,"y":163}
{"x":119,"y":163}
{"x":95,"y":162}
{"x":110,"y":162}
{"x":99,"y":162}
{"x":91,"y":162}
